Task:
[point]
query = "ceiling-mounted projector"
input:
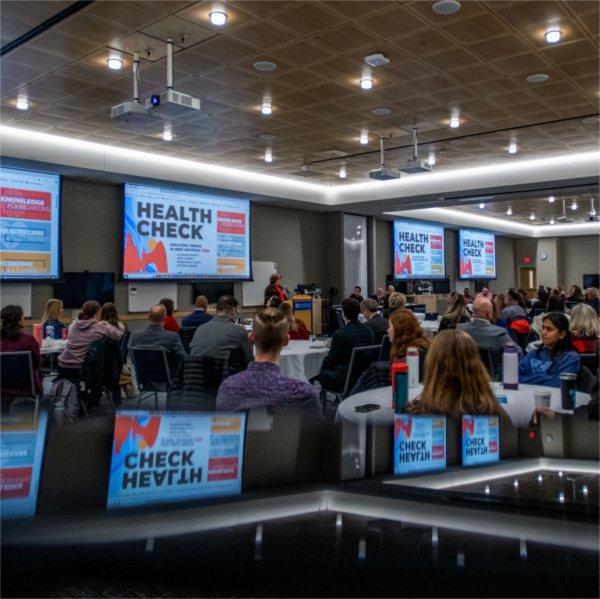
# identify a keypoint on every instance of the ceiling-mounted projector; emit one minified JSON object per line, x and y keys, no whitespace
{"x":415,"y":165}
{"x":170,"y":103}
{"x":383,"y":173}
{"x":133,"y":111}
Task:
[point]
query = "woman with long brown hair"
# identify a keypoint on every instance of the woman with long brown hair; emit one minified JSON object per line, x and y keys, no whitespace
{"x":455,"y":314}
{"x":298,"y":330}
{"x":456,"y":381}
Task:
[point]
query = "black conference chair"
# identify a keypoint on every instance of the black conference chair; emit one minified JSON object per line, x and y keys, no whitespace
{"x":186,"y":334}
{"x":196,"y":384}
{"x":485,"y":353}
{"x":152,"y":372}
{"x":590,"y":361}
{"x":338,"y":316}
{"x":17,"y":381}
{"x":379,"y":337}
{"x":124,"y":346}
{"x":384,"y":352}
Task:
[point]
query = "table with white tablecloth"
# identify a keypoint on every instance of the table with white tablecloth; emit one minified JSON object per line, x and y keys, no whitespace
{"x":519,"y":403}
{"x":302,"y":360}
{"x":54,"y":347}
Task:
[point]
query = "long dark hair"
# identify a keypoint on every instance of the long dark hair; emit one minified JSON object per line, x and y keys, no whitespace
{"x":169,"y":305}
{"x":11,"y":322}
{"x":561,"y":322}
{"x":110,"y":314}
{"x":542,"y":295}
{"x":555,"y":303}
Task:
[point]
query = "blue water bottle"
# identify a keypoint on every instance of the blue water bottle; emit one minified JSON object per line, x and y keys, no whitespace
{"x":399,"y":372}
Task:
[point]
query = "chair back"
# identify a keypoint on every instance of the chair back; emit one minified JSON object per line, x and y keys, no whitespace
{"x":235,"y":362}
{"x":197,"y":383}
{"x":590,"y":361}
{"x":361,"y":359}
{"x":16,"y":370}
{"x":186,"y":334}
{"x":384,"y":352}
{"x":485,"y":353}
{"x":418,"y":308}
{"x":124,"y":345}
{"x":151,"y":368}
{"x":379,"y":337}
{"x":338,"y":316}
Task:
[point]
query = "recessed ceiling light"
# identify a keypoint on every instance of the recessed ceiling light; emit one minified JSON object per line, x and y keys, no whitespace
{"x":532,"y":216}
{"x":553,"y":36}
{"x":218,"y":18}
{"x":551,"y":199}
{"x":552,"y":221}
{"x":267,"y":136}
{"x":22,"y":104}
{"x":446,"y":7}
{"x":509,"y":211}
{"x":537,"y":78}
{"x":512,"y":147}
{"x":454,"y":122}
{"x":343,"y":173}
{"x":381,"y":111}
{"x":364,"y":138}
{"x":114,"y":64}
{"x":264,"y":66}
{"x":266,"y":109}
{"x":482,"y":205}
{"x":366,"y":83}
{"x":574,"y":205}
{"x":268,"y":155}
{"x":431,"y":159}
{"x":167,"y":135}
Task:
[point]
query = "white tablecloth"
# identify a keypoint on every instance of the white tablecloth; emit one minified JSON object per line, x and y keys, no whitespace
{"x":57,"y":347}
{"x":430,"y":326}
{"x":519,"y":407}
{"x":300,"y":361}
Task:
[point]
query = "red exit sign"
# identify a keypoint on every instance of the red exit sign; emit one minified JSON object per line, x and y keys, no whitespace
{"x":526,"y":259}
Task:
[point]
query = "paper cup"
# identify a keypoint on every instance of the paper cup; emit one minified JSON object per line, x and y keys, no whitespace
{"x":542,"y":398}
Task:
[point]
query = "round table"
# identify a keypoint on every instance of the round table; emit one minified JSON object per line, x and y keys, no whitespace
{"x":56,"y":347}
{"x":301,"y":361}
{"x":519,"y":406}
{"x":430,"y":326}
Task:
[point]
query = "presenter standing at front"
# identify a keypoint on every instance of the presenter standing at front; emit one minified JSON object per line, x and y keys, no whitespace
{"x":275,"y":288}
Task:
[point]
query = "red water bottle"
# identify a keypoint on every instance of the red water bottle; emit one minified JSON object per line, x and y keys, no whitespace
{"x":399,"y":375}
{"x":65,"y":334}
{"x":37,"y":333}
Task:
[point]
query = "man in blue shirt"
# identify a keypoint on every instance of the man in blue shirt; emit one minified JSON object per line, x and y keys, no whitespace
{"x":198,"y":316}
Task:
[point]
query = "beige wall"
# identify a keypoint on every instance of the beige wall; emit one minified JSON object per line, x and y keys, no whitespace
{"x":383,"y":252}
{"x":578,"y":256}
{"x":505,"y":264}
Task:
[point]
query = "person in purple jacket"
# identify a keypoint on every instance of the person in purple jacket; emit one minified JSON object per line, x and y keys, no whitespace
{"x":262,"y":384}
{"x":556,"y":354}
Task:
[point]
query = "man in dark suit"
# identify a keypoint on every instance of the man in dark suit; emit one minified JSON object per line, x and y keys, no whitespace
{"x":379,"y":324}
{"x":198,"y":316}
{"x":357,"y":294}
{"x":154,"y":335}
{"x":354,"y":334}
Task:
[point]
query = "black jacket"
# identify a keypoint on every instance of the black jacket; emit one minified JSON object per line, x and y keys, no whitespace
{"x":336,"y":363}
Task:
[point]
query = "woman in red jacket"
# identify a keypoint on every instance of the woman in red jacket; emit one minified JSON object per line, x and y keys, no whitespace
{"x":170,"y":323}
{"x":275,"y":288}
{"x":298,"y":330}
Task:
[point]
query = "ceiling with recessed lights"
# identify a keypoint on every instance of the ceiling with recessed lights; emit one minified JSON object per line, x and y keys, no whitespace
{"x":471,"y":65}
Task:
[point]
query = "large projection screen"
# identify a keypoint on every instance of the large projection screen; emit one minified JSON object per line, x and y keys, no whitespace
{"x":477,"y":254}
{"x":176,"y":234}
{"x":418,"y":250}
{"x":29,"y":225}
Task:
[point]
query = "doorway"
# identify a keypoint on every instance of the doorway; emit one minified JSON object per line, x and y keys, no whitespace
{"x":528,"y":280}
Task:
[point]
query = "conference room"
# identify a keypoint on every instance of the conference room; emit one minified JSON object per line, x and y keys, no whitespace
{"x":295,"y":294}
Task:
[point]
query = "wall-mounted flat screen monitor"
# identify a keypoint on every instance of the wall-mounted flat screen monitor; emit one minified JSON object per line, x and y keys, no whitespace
{"x":29,"y":225}
{"x":211,"y":291}
{"x":171,"y":457}
{"x":418,"y":250}
{"x":22,"y":441}
{"x":178,"y":234}
{"x":419,"y":443}
{"x":480,"y":440}
{"x":76,"y":288}
{"x":591,"y":281}
{"x":477,"y":254}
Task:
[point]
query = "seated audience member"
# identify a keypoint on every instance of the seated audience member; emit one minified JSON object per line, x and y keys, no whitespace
{"x":555,"y":303}
{"x":485,"y":292}
{"x":52,"y":314}
{"x":379,"y":296}
{"x":171,"y":323}
{"x":199,"y":316}
{"x":221,"y":335}
{"x":155,"y":335}
{"x":274,"y":302}
{"x":275,"y":288}
{"x":514,"y":315}
{"x":536,"y":327}
{"x":555,"y":355}
{"x":356,"y":294}
{"x":386,"y":300}
{"x":541,"y":299}
{"x":467,"y":295}
{"x":575,"y":294}
{"x":354,"y":334}
{"x":82,"y":333}
{"x":396,"y":301}
{"x":585,"y":328}
{"x":374,"y":320}
{"x":591,"y":298}
{"x":486,"y":334}
{"x":525,"y":301}
{"x":298,"y":330}
{"x":109,"y":314}
{"x":12,"y":338}
{"x":262,"y":384}
{"x":456,"y":381}
{"x":455,"y":314}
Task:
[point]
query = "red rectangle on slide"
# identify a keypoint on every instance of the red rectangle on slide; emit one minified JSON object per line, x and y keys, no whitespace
{"x":24,"y":203}
{"x":436,"y":242}
{"x":489,"y":247}
{"x":222,"y":468}
{"x":231,"y":222}
{"x":15,"y":482}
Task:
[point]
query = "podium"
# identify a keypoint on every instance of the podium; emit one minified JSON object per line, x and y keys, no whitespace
{"x":309,"y":311}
